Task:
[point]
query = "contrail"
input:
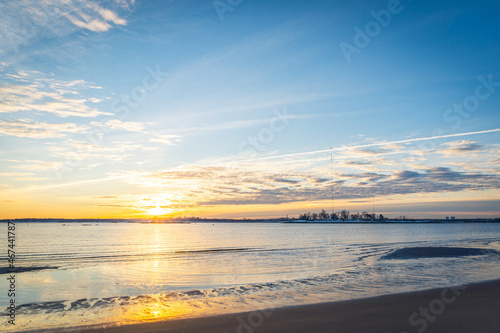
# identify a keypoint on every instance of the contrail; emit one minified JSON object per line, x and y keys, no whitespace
{"x":375,"y":144}
{"x":281,"y":156}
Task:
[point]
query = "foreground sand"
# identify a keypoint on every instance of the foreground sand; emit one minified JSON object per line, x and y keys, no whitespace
{"x":473,"y":308}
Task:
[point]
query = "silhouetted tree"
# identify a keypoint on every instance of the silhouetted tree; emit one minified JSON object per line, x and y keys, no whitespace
{"x":344,"y":215}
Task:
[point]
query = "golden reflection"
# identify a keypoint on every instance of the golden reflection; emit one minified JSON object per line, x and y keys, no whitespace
{"x":153,"y":309}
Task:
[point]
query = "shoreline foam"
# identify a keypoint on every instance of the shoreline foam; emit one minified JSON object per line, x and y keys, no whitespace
{"x":462,"y":309}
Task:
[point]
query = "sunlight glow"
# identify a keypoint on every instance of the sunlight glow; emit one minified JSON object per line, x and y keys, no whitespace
{"x":157,"y":211}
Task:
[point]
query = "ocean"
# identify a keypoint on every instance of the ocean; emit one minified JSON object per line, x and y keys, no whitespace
{"x":119,"y":273}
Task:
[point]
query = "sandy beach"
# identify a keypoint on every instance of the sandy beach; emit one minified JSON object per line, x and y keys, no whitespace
{"x":471,"y":308}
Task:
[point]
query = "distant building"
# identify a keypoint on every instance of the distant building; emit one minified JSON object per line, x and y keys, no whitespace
{"x":452,"y":218}
{"x":447,"y":217}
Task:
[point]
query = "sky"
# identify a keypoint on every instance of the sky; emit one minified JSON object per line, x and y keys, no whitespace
{"x":249,"y":108}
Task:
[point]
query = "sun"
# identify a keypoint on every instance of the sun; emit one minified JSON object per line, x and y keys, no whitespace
{"x":157,"y":211}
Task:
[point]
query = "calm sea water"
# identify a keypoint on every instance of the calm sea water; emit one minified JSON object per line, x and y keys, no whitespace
{"x":124,"y":273}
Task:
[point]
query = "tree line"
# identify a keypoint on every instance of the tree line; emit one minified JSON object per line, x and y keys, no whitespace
{"x":342,"y":215}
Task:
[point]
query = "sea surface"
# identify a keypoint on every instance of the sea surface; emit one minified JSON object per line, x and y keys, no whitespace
{"x":118,"y":273}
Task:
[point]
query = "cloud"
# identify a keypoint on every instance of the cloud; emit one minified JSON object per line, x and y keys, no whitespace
{"x":448,"y":175}
{"x":370,"y":151}
{"x":31,"y":178}
{"x":86,"y":18}
{"x":116,"y":124}
{"x":36,"y":92}
{"x":462,"y":147}
{"x":36,"y":165}
{"x":15,"y":174}
{"x":357,"y":163}
{"x":167,"y":139}
{"x":108,"y":15}
{"x":28,"y":128}
{"x":406,"y":175}
{"x":81,"y":151}
{"x":286,"y":181}
{"x":242,"y":186}
{"x":95,"y":25}
{"x":25,"y":21}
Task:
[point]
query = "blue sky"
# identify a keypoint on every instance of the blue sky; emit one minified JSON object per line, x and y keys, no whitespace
{"x":80,"y":103}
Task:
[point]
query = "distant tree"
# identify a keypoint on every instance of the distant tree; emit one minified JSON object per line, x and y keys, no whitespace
{"x":355,"y":216}
{"x":303,"y":217}
{"x":366,"y":216}
{"x":381,"y":217}
{"x":334,"y":216}
{"x":323,"y":215}
{"x":344,"y":215}
{"x":314,"y":216}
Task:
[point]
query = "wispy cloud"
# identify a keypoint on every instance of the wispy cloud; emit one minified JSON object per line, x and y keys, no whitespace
{"x":116,"y":124}
{"x":15,"y":174}
{"x":36,"y":165}
{"x":37,"y":92}
{"x":460,"y":148}
{"x":116,"y":151}
{"x":167,"y":139}
{"x":24,"y":21}
{"x":28,"y":128}
{"x":86,"y":18}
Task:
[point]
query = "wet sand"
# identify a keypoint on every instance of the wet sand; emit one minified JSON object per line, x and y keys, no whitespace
{"x":472,"y":308}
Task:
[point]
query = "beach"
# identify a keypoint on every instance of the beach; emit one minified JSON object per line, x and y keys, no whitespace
{"x":460,"y":309}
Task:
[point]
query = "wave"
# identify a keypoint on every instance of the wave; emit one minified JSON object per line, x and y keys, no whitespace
{"x":140,"y":256}
{"x":214,"y":250}
{"x":213,"y":294}
{"x":437,"y":252}
{"x":6,"y":270}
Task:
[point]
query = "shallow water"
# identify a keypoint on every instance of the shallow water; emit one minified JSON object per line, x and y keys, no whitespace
{"x":81,"y":274}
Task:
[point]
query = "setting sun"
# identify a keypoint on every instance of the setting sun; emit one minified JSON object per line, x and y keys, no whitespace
{"x":157,"y":211}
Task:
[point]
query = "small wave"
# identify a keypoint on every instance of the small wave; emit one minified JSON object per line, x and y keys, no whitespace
{"x":214,"y":250}
{"x":436,"y":252}
{"x":6,"y":270}
{"x":212,"y":294}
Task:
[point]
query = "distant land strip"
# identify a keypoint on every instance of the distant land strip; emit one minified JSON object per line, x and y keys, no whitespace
{"x":272,"y":220}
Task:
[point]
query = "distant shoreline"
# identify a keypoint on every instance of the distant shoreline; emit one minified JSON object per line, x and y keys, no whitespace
{"x":281,"y":220}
